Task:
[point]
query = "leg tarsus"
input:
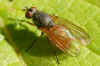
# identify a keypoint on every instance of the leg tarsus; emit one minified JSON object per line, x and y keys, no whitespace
{"x":57,"y":60}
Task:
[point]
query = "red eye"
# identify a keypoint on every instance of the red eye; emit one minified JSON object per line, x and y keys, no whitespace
{"x":28,"y":14}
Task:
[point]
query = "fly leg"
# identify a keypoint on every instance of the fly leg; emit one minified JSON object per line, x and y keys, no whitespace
{"x":57,"y":60}
{"x":20,"y":20}
{"x":54,"y":52}
{"x":33,"y":43}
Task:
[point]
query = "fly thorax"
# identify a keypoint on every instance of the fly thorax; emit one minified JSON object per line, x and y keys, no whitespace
{"x":42,"y":20}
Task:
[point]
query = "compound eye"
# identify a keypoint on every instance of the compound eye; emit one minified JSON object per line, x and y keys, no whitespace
{"x":28,"y":14}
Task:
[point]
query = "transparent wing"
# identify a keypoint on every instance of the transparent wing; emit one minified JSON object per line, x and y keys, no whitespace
{"x":67,"y":36}
{"x":59,"y":37}
{"x":77,"y":32}
{"x":62,"y":38}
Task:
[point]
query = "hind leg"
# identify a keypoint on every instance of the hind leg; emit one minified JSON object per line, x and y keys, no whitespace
{"x":54,"y":52}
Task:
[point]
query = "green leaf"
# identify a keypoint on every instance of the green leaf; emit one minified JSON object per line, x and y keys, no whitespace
{"x":94,"y":2}
{"x":17,"y":35}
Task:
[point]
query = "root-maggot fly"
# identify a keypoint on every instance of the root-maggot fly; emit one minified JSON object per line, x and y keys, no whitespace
{"x":62,"y":33}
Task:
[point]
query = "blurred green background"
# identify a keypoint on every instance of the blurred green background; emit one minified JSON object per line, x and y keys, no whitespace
{"x":16,"y":36}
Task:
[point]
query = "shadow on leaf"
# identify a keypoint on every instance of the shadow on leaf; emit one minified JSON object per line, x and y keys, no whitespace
{"x":23,"y":39}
